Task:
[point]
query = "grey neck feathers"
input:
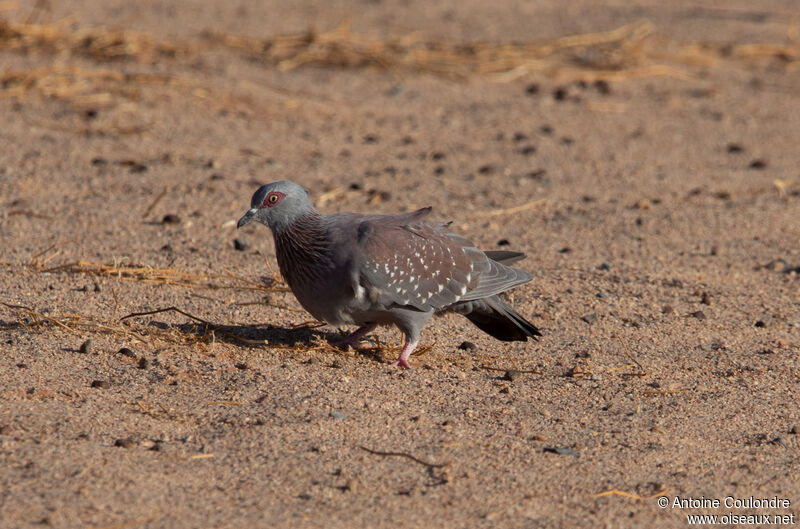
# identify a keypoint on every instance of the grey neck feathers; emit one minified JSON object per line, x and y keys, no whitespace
{"x":303,"y":249}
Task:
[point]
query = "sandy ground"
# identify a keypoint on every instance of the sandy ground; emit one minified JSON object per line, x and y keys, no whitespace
{"x":660,"y":215}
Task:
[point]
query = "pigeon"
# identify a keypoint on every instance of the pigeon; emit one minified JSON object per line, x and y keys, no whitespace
{"x":400,"y":269}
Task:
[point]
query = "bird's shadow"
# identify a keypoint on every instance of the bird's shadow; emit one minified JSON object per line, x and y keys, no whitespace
{"x":255,"y":336}
{"x":248,"y":335}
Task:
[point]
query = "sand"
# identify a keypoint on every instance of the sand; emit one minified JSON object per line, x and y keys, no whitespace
{"x":649,"y":174}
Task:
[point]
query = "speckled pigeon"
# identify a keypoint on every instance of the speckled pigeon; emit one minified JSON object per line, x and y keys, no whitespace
{"x":369,"y":270}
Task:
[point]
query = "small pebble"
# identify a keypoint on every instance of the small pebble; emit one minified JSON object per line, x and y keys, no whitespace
{"x":561,"y":450}
{"x":705,"y":299}
{"x":126,"y":352}
{"x":511,"y":375}
{"x":758,"y":164}
{"x":589,"y":318}
{"x":794,"y":430}
{"x":468,"y":346}
{"x":337,"y":364}
{"x":735,"y":148}
{"x":699,"y":314}
{"x":604,"y":266}
{"x":171,"y":218}
{"x":760,"y":323}
{"x":240,"y":245}
{"x":503,"y":242}
{"x":126,"y":442}
{"x":527,"y":150}
{"x":143,"y":363}
{"x":667,"y":309}
{"x":337,"y":415}
{"x":86,"y":347}
{"x":101,"y":384}
{"x":602,"y":86}
{"x":532,"y":89}
{"x":240,"y":365}
{"x":560,"y":94}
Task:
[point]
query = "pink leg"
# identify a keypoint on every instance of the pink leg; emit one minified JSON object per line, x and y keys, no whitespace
{"x":402,"y":360}
{"x":352,"y":339}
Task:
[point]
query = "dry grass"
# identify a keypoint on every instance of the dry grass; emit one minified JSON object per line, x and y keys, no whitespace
{"x":628,"y":52}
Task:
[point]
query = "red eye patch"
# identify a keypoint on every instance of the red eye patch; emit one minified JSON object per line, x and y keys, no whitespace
{"x":273,"y":198}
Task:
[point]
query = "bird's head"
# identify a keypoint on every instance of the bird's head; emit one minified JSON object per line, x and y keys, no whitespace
{"x":278,"y":205}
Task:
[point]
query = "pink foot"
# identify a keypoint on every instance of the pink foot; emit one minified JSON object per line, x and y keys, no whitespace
{"x":405,"y":354}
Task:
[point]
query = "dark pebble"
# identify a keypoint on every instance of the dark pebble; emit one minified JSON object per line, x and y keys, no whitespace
{"x":601,"y":295}
{"x":699,"y":314}
{"x":240,"y":365}
{"x":532,"y":89}
{"x":126,"y":442}
{"x":439,"y":170}
{"x":667,"y":309}
{"x":735,"y":148}
{"x":602,"y":86}
{"x":503,"y":242}
{"x":511,"y":375}
{"x":760,"y":323}
{"x":561,"y":450}
{"x":101,"y":384}
{"x":240,"y":245}
{"x":547,"y":130}
{"x":143,"y":363}
{"x":337,"y":415}
{"x":166,"y":248}
{"x":99,"y":161}
{"x":371,"y":138}
{"x":171,"y":218}
{"x":536,"y":175}
{"x":565,"y":249}
{"x":560,"y":94}
{"x":527,"y":150}
{"x":758,"y":164}
{"x":337,"y":364}
{"x":127,"y":352}
{"x":86,"y":347}
{"x":566,"y":140}
{"x":138,"y":168}
{"x":519,"y":136}
{"x":486,"y":169}
{"x":437,"y":156}
{"x":468,"y":346}
{"x":217,"y":176}
{"x":779,"y":441}
{"x":705,"y":299}
{"x":97,"y":287}
{"x":604,"y":266}
{"x":794,"y":430}
{"x":589,"y":318}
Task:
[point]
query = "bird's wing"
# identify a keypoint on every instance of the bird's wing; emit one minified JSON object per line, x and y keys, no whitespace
{"x":408,"y":262}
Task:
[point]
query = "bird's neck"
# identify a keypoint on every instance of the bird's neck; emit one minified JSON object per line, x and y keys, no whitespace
{"x":302,"y":247}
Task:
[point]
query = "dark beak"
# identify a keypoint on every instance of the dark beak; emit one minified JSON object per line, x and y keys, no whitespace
{"x":247,"y":218}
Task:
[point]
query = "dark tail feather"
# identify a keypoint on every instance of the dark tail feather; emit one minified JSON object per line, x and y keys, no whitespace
{"x":499,"y":320}
{"x":505,"y":257}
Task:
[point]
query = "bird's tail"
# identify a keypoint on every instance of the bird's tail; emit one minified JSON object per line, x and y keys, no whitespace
{"x":496,"y":318}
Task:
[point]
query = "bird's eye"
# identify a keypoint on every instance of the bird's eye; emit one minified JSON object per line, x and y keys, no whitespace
{"x":272,"y":199}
